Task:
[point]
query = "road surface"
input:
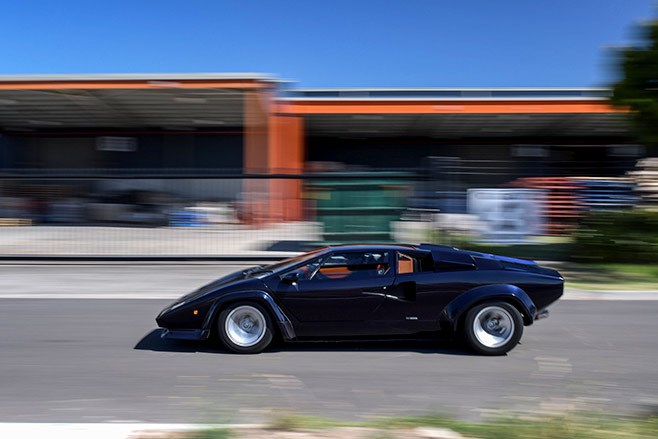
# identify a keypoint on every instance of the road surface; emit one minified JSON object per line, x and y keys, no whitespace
{"x":101,"y":360}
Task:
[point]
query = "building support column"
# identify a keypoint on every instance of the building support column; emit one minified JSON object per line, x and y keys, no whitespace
{"x":286,"y":157}
{"x":254,"y":202}
{"x":273,"y":144}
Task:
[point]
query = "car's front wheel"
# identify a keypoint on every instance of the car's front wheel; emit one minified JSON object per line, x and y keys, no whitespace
{"x":245,"y":328}
{"x":493,"y":328}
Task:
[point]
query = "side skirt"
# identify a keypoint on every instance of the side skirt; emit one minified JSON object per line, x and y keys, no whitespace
{"x":424,"y":336}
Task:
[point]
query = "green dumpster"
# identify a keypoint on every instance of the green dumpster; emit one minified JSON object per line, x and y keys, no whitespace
{"x":358,"y":209}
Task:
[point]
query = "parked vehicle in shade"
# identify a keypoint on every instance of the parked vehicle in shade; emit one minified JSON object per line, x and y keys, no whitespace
{"x":370,"y":291}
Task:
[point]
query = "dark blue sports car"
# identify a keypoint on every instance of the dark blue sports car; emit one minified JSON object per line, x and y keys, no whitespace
{"x":370,"y":291}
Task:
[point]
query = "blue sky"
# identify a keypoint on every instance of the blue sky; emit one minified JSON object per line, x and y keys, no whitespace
{"x":357,"y":43}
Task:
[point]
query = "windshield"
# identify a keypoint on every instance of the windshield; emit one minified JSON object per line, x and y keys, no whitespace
{"x":287,"y":263}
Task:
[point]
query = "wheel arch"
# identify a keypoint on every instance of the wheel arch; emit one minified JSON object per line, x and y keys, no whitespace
{"x":260,"y":297}
{"x":453,"y":314}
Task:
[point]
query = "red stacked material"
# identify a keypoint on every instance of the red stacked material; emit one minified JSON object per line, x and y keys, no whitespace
{"x":645,"y":176}
{"x":562,"y":202}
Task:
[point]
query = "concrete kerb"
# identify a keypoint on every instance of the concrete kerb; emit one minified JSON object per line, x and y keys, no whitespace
{"x":129,"y":258}
{"x":228,"y":262}
{"x":577,"y":294}
{"x":108,"y":430}
{"x":166,"y":431}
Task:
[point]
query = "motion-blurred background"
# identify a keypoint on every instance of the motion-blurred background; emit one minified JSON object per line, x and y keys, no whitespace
{"x":228,"y":164}
{"x":223,"y":164}
{"x":526,"y":129}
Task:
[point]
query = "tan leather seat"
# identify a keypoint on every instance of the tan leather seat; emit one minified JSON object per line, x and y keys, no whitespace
{"x":405,"y":265}
{"x":335,"y":272}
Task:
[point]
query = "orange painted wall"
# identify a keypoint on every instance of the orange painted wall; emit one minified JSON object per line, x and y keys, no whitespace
{"x":273,"y":144}
{"x":255,"y":207}
{"x":286,"y":144}
{"x":256,"y":132}
{"x":287,"y":152}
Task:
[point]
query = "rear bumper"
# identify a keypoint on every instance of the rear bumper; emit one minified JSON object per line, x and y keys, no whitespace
{"x":185,"y":334}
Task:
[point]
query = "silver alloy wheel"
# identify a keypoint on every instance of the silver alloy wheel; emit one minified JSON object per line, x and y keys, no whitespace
{"x":493,"y":326}
{"x":245,"y":326}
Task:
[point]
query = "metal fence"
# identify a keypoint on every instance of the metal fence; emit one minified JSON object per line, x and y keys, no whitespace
{"x":219,"y":213}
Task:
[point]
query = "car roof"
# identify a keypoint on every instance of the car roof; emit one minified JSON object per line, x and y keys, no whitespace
{"x":357,"y":247}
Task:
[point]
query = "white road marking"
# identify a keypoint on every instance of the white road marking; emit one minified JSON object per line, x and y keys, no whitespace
{"x":108,"y":430}
{"x":103,"y":296}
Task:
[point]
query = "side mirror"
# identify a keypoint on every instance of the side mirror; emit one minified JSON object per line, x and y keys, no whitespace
{"x":291,"y":278}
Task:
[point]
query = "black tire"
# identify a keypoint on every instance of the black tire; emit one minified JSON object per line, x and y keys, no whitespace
{"x":245,"y":328}
{"x":493,"y":328}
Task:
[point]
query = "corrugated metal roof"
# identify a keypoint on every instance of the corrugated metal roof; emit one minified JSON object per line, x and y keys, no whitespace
{"x":523,"y":93}
{"x":137,"y":77}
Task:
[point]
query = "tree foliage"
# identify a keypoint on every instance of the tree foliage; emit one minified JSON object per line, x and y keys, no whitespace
{"x":638,"y":90}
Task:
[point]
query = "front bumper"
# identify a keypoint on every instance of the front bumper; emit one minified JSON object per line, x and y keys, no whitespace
{"x":185,"y":334}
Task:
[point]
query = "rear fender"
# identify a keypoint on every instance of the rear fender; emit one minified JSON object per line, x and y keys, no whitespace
{"x":452,"y":313}
{"x":261,"y":297}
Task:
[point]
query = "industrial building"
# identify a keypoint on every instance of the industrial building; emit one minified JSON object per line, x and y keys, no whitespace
{"x":243,"y":128}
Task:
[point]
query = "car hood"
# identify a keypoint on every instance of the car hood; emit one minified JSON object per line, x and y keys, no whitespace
{"x":229,"y":281}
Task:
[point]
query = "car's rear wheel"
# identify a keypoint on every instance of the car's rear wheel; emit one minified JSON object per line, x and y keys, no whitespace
{"x":493,"y":328}
{"x":245,"y":328}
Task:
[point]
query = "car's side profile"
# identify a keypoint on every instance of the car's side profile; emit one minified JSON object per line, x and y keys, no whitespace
{"x":370,"y":291}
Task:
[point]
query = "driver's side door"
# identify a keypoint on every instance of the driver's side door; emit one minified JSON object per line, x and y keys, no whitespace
{"x":337,"y":294}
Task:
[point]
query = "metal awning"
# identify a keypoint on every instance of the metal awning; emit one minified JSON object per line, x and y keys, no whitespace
{"x":457,"y":112}
{"x":160,"y":108}
{"x":192,"y":101}
{"x":217,"y":101}
{"x":467,"y":125}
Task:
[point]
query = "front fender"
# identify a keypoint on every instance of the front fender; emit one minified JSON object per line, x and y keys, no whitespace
{"x":453,"y":312}
{"x":261,"y":297}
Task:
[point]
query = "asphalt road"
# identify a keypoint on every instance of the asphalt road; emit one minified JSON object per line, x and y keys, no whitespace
{"x":97,"y":360}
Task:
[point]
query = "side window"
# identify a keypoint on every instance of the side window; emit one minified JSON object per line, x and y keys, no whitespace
{"x":306,"y":272}
{"x":352,"y":265}
{"x":406,"y":264}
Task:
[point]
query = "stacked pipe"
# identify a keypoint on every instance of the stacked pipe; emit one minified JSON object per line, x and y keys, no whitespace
{"x":562,"y":202}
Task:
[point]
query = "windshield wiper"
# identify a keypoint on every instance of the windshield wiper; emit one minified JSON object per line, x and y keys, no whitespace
{"x":253,"y":270}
